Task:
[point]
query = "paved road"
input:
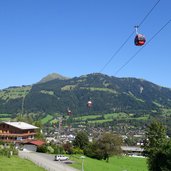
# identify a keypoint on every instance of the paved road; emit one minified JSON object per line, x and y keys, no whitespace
{"x":46,"y":161}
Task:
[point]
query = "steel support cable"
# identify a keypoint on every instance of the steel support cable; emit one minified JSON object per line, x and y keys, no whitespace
{"x":117,"y":51}
{"x":149,"y":13}
{"x":132,"y":57}
{"x":123,"y":44}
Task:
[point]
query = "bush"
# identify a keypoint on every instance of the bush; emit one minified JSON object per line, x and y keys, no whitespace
{"x":42,"y":149}
{"x":77,"y":150}
{"x":50,"y":150}
{"x":68,"y":148}
{"x":93,"y":151}
{"x":8,"y":151}
{"x":57,"y":149}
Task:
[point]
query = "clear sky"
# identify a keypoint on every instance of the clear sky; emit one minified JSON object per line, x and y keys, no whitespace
{"x":78,"y":37}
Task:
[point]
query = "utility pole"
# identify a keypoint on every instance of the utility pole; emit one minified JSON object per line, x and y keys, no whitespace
{"x":22,"y":106}
{"x":82,"y":168}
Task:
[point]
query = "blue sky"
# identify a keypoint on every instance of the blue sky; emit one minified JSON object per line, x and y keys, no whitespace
{"x":78,"y":37}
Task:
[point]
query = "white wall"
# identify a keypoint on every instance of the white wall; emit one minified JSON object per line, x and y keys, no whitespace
{"x":29,"y":147}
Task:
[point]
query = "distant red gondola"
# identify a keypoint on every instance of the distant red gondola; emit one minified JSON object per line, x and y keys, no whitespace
{"x":69,"y":112}
{"x":89,"y":104}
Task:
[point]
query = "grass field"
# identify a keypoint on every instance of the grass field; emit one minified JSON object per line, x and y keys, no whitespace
{"x":46,"y":119}
{"x":17,"y":164}
{"x":101,"y":121}
{"x":5,"y":119}
{"x":115,"y":164}
{"x":115,"y":115}
{"x":85,"y":117}
{"x":4,"y":114}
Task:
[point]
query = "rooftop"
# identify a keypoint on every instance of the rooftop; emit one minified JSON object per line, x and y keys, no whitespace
{"x":37,"y":142}
{"x":21,"y":125}
{"x":132,"y":148}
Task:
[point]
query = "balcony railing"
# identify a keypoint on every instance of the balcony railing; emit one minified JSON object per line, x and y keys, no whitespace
{"x":17,"y":141}
{"x":17,"y":135}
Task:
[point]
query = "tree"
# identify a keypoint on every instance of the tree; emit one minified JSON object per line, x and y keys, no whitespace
{"x":39,"y":134}
{"x":161,"y":160}
{"x":109,"y":144}
{"x":81,"y":140}
{"x":105,"y":146}
{"x":93,"y":151}
{"x":155,"y":137}
{"x":68,"y":148}
{"x":157,"y":147}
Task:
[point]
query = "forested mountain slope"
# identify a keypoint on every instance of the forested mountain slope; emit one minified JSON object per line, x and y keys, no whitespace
{"x":108,"y":94}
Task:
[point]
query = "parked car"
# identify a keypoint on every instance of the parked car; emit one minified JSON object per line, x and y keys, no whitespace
{"x":61,"y":158}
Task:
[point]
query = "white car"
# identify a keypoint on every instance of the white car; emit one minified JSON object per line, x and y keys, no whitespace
{"x":61,"y":158}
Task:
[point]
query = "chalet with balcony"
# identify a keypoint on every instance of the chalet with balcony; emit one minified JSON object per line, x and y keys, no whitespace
{"x":17,"y":132}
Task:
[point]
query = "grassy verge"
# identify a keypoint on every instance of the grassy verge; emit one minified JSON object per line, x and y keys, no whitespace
{"x":115,"y":164}
{"x":16,"y":164}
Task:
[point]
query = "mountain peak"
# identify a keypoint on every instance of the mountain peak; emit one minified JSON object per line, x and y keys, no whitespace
{"x":51,"y":77}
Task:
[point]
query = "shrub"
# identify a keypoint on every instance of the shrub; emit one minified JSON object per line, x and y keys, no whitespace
{"x":77,"y":150}
{"x":42,"y":149}
{"x":50,"y":150}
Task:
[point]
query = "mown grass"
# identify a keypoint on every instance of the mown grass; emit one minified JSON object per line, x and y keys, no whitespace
{"x":46,"y":119}
{"x":101,"y":121}
{"x":106,"y":116}
{"x":17,"y":164}
{"x":5,"y":119}
{"x":85,"y":117}
{"x":115,"y":164}
{"x":4,"y":114}
{"x":115,"y":115}
{"x":14,"y":93}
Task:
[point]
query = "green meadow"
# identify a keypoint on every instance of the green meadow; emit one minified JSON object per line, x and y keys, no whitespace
{"x":115,"y":164}
{"x":16,"y":164}
{"x":46,"y":119}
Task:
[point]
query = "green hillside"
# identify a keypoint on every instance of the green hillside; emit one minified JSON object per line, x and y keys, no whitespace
{"x":109,"y":94}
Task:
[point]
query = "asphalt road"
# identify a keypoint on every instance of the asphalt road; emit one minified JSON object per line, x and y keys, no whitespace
{"x":46,"y":161}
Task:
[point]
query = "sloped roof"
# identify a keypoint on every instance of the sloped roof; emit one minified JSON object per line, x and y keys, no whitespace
{"x":21,"y":125}
{"x":37,"y":142}
{"x":132,"y":148}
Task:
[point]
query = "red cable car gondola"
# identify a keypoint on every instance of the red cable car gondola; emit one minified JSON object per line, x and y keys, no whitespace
{"x":89,"y":104}
{"x":69,"y":112}
{"x":139,"y":38}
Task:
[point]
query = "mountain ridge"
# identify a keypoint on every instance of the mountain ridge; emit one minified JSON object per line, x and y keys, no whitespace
{"x":108,"y":93}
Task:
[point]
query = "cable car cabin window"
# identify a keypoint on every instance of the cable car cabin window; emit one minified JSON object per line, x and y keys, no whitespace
{"x":139,"y":40}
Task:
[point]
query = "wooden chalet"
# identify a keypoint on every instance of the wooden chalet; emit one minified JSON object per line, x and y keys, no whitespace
{"x":17,"y":132}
